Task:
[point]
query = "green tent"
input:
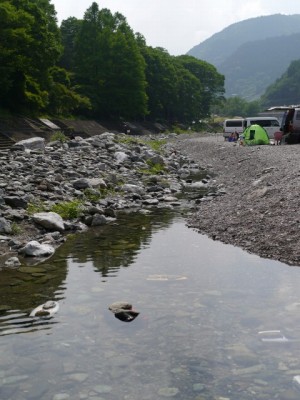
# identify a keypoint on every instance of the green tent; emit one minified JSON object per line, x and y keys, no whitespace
{"x":255,"y":135}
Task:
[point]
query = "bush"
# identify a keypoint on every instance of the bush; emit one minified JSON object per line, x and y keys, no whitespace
{"x":68,"y":209}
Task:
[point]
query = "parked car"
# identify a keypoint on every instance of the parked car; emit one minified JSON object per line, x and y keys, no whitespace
{"x":235,"y":125}
{"x":238,"y":125}
{"x":270,"y":124}
{"x":290,"y":126}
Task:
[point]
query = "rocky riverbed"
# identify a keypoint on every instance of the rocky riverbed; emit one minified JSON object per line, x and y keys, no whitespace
{"x":253,"y":200}
{"x":260,"y":210}
{"x":48,"y":190}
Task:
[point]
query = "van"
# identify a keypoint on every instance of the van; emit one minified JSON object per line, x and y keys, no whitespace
{"x":270,"y":124}
{"x":232,"y":126}
{"x":290,"y":126}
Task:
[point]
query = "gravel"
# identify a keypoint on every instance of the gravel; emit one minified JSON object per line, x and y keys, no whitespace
{"x":260,"y":209}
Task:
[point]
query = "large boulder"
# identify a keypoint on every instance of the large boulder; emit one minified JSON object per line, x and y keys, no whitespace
{"x":49,"y":220}
{"x":35,"y":143}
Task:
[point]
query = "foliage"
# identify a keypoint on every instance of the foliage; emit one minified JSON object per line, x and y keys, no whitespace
{"x":16,"y":228}
{"x":96,"y":67}
{"x":63,"y":96}
{"x":68,"y":209}
{"x":95,"y":195}
{"x":30,"y":45}
{"x":286,"y":89}
{"x":109,"y":66}
{"x":59,"y":136}
{"x":35,"y":207}
{"x":155,"y":144}
{"x":154,"y":169}
{"x":237,"y":106}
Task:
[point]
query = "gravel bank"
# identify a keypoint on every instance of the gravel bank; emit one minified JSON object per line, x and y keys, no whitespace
{"x":260,"y":210}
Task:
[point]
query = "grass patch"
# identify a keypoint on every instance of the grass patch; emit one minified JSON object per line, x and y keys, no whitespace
{"x":59,"y":136}
{"x":154,"y":169}
{"x":68,"y":209}
{"x":154,"y":144}
{"x":96,"y":195}
{"x":36,"y":207}
{"x":16,"y":229}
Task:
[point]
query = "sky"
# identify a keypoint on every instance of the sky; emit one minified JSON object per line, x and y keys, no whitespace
{"x":179,"y":25}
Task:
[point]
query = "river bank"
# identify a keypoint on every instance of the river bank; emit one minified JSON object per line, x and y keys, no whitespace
{"x":260,"y":210}
{"x":255,"y":204}
{"x":50,"y":190}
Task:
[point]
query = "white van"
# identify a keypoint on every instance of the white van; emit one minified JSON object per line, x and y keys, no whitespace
{"x":233,"y":125}
{"x":270,"y":124}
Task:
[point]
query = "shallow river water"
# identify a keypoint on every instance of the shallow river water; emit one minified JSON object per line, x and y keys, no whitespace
{"x":215,"y":322}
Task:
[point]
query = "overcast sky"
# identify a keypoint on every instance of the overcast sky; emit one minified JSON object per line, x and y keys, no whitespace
{"x":179,"y":25}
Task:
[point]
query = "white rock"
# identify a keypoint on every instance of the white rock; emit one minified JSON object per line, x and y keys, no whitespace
{"x":49,"y":220}
{"x":36,"y":249}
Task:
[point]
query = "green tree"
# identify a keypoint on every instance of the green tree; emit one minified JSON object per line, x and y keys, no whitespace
{"x":30,"y":45}
{"x":161,"y":76}
{"x":63,"y":97}
{"x":212,"y":82}
{"x":109,"y":67}
{"x":69,"y":30}
{"x":237,"y":106}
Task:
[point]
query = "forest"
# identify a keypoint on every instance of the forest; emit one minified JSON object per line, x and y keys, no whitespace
{"x":96,"y":67}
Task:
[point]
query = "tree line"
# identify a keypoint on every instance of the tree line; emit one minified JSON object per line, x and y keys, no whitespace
{"x":96,"y":67}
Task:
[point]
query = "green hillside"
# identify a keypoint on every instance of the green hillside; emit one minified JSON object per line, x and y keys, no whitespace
{"x":223,"y":44}
{"x":256,"y":65}
{"x":252,"y":54}
{"x":286,"y":89}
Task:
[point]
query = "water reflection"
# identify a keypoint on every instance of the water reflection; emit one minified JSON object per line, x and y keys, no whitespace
{"x":202,"y":304}
{"x":117,"y":245}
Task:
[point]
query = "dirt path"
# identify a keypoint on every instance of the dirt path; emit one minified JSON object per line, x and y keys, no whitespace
{"x":260,"y":211}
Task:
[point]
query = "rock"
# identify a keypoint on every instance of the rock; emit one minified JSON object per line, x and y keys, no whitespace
{"x":12,"y":262}
{"x":36,"y":143}
{"x":49,"y":220}
{"x":82,"y":183}
{"x":35,"y":249}
{"x":120,"y":156}
{"x":123,"y":311}
{"x":168,"y":391}
{"x":47,"y":309}
{"x":5,"y":226}
{"x":98,"y":219}
{"x":15,"y":201}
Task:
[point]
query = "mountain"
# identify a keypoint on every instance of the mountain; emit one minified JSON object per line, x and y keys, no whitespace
{"x":286,"y":89}
{"x":253,"y":53}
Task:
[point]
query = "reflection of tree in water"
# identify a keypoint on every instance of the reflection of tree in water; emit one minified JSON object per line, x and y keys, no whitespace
{"x":116,"y":245}
{"x":24,"y":289}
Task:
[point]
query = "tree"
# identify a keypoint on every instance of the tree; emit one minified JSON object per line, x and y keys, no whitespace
{"x":211,"y":81}
{"x":30,"y":45}
{"x":161,"y":76}
{"x":69,"y":31}
{"x":63,"y":98}
{"x":109,"y":67}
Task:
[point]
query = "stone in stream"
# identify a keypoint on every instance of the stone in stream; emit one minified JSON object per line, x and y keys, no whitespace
{"x":123,"y":311}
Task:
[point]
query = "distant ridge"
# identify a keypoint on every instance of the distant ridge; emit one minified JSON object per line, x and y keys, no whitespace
{"x":252,"y":53}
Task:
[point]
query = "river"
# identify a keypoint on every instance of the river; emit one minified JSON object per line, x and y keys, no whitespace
{"x":215,"y":322}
